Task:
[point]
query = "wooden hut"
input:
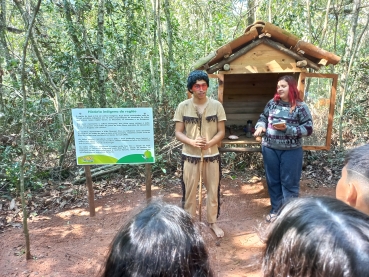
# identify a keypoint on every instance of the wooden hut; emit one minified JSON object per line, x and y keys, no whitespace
{"x":247,"y":70}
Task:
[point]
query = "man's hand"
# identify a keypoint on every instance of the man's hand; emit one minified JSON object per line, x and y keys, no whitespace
{"x":200,"y":142}
{"x":206,"y":146}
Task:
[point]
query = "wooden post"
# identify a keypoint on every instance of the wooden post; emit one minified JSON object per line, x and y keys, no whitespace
{"x":91,"y":194}
{"x":90,"y":189}
{"x":147,"y":169}
{"x":148,"y":181}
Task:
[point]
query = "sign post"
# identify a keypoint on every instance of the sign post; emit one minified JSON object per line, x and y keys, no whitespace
{"x":90,"y":189}
{"x":147,"y":170}
{"x":114,"y":136}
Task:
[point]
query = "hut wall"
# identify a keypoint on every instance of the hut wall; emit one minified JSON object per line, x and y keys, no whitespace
{"x":263,"y":59}
{"x":245,"y":96}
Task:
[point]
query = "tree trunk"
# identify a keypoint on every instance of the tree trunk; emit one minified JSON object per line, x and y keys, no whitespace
{"x":100,"y":53}
{"x":4,"y":49}
{"x":161,"y":52}
{"x":2,"y":54}
{"x":357,"y":47}
{"x":325,"y":26}
{"x":78,"y":50}
{"x":24,"y":117}
{"x":150,"y":38}
{"x":250,"y":13}
{"x":2,"y":108}
{"x":346,"y":61}
{"x":55,"y":95}
{"x":308,"y":19}
{"x":169,"y":39}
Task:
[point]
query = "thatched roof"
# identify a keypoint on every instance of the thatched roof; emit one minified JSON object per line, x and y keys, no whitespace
{"x":267,"y":33}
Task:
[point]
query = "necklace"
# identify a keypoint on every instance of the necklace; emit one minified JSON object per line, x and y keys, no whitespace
{"x":200,"y":108}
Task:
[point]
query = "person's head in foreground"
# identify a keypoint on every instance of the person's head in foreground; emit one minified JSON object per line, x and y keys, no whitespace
{"x":161,"y":240}
{"x":318,"y":237}
{"x":353,"y":187}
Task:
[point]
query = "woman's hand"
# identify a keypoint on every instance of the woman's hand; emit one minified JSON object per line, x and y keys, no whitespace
{"x":258,"y":131}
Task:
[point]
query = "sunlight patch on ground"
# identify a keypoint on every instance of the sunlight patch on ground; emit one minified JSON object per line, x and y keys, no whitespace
{"x":143,"y":188}
{"x":75,"y":212}
{"x":38,"y":218}
{"x":228,"y":193}
{"x":176,"y":195}
{"x":251,"y":189}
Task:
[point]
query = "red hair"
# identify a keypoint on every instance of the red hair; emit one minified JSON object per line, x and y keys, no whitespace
{"x":293,"y":92}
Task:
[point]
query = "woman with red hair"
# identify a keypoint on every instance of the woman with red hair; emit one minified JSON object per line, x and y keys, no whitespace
{"x":285,"y":120}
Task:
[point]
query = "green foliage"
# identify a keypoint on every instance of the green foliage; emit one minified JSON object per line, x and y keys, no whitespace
{"x":10,"y":161}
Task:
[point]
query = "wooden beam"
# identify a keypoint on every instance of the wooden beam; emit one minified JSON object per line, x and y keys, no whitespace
{"x":283,"y":49}
{"x":148,"y":171}
{"x":202,"y":63}
{"x":90,"y":189}
{"x":280,"y":34}
{"x":236,"y":55}
{"x":314,"y":51}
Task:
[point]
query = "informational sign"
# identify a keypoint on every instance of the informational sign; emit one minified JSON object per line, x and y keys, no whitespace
{"x":114,"y":136}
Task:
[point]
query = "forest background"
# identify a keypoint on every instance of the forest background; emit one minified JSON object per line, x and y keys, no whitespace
{"x":109,"y":53}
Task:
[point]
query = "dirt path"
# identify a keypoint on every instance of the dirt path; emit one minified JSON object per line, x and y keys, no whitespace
{"x":70,"y":243}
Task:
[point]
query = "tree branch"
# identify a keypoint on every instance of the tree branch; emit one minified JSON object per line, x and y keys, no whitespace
{"x":24,"y":116}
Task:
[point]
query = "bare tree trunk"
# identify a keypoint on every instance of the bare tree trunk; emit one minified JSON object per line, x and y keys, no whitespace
{"x":308,"y":19}
{"x":100,"y":53}
{"x":325,"y":26}
{"x":335,"y":31}
{"x":2,"y":54}
{"x":2,"y":108}
{"x":346,"y":61}
{"x":55,"y":95}
{"x":161,"y":52}
{"x":250,"y":6}
{"x":78,"y":50}
{"x":4,"y":50}
{"x":270,"y":11}
{"x":356,"y":49}
{"x":256,"y":8}
{"x":24,"y":116}
{"x":170,"y":38}
{"x":150,"y":38}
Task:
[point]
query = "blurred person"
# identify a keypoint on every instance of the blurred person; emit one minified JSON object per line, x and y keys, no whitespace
{"x":317,"y":237}
{"x":285,"y":120}
{"x":161,"y":240}
{"x":199,"y":125}
{"x":353,"y":187}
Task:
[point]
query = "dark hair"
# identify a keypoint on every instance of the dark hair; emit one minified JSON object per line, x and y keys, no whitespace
{"x":293,"y":93}
{"x":357,"y":160}
{"x":161,"y":240}
{"x":318,"y":237}
{"x":195,"y":76}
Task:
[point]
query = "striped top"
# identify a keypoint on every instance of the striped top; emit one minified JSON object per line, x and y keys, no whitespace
{"x":299,"y":123}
